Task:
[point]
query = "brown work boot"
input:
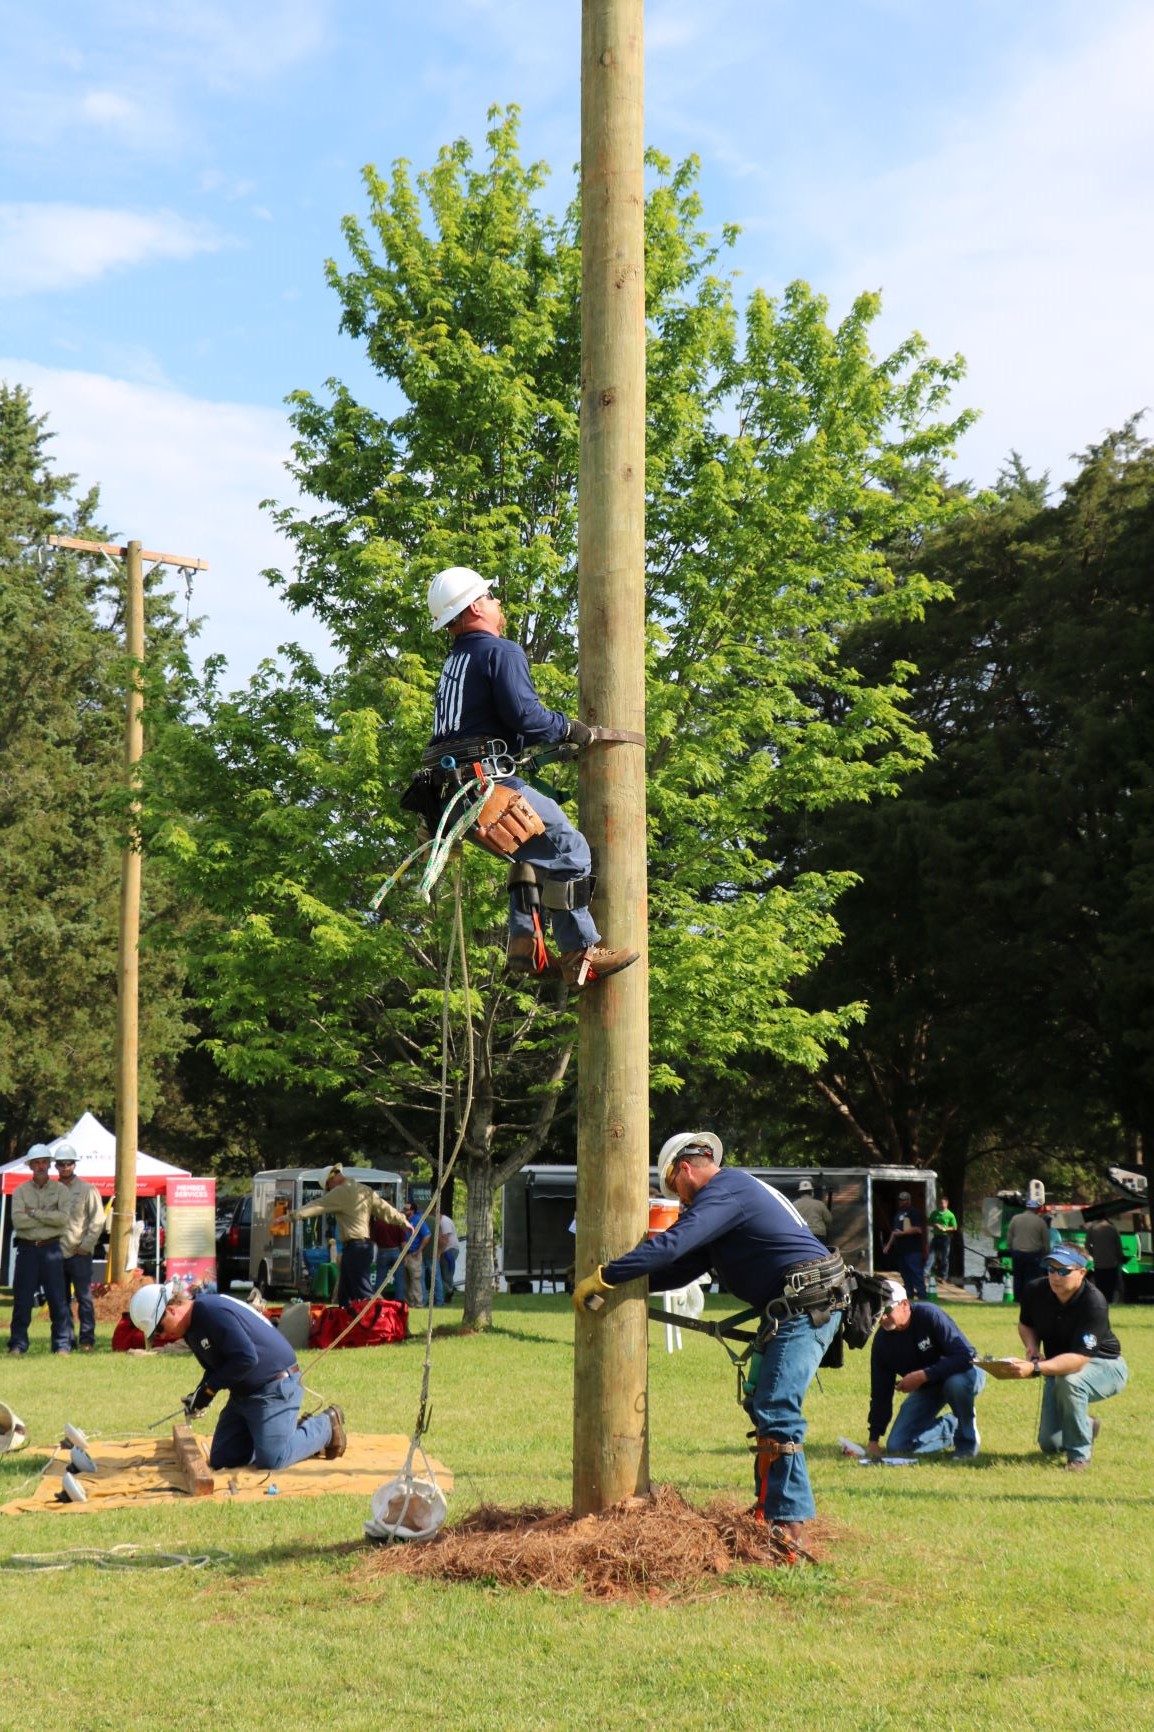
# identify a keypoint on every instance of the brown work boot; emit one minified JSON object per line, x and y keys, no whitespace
{"x":338,"y":1442}
{"x":587,"y":967}
{"x":525,"y":956}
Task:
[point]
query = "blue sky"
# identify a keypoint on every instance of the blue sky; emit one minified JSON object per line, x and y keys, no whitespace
{"x":172,"y":179}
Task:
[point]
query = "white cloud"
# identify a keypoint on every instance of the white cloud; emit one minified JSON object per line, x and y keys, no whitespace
{"x":184,"y":476}
{"x":56,"y":246}
{"x":1023,"y":239}
{"x":226,"y":44}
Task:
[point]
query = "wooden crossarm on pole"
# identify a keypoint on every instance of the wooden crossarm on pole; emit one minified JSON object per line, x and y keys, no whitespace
{"x":114,"y":551}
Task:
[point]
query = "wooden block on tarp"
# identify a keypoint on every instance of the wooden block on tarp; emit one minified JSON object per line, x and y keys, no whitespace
{"x":190,"y":1463}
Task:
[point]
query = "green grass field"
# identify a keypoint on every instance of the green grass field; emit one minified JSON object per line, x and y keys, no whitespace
{"x":1003,"y":1595}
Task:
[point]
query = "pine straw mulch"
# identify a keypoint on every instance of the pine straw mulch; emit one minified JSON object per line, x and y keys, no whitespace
{"x":646,"y":1548}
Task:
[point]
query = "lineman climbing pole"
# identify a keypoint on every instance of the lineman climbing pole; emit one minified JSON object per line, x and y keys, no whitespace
{"x":128,"y":950}
{"x":610,"y":1408}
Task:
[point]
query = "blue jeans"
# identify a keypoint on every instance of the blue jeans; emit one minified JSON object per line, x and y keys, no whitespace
{"x":449,"y":1271}
{"x":261,"y":1430}
{"x":39,"y":1268}
{"x":918,"y":1429}
{"x":356,"y":1282}
{"x":1065,"y":1422}
{"x":78,"y":1286}
{"x":560,"y":852}
{"x":912,"y":1269}
{"x":433,"y":1278}
{"x":940,"y":1256}
{"x":787,"y":1370}
{"x":1027,"y":1266}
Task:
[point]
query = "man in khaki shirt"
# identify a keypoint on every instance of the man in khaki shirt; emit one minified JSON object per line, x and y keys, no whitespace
{"x":352,"y":1206}
{"x":40,"y":1217}
{"x":85,"y":1225}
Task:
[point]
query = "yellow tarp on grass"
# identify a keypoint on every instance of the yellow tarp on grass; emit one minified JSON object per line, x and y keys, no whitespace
{"x":142,"y":1470}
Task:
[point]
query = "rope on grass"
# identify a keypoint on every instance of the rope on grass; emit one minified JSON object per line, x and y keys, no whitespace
{"x":125,"y":1557}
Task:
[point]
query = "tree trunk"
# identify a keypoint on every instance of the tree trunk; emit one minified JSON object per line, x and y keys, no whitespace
{"x":480,"y":1192}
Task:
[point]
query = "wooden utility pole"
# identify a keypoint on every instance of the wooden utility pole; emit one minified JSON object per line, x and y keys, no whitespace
{"x":610,"y":1407}
{"x":128,"y":949}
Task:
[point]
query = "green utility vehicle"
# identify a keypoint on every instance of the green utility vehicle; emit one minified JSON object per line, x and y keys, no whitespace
{"x":1127,"y":1205}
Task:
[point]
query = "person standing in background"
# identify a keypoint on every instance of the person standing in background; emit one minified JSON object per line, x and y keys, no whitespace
{"x":1027,"y":1241}
{"x":1104,"y":1243}
{"x":943,"y":1225}
{"x":449,"y":1246}
{"x":40,"y":1216}
{"x":905,"y":1241}
{"x":78,"y":1246}
{"x":814,"y":1211}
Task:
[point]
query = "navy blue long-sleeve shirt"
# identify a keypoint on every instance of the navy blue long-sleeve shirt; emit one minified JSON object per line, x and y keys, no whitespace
{"x":737,"y":1225}
{"x":932,"y":1343}
{"x":486,"y":691}
{"x":238,"y":1349}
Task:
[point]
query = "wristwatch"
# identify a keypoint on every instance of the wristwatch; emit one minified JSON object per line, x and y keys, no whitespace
{"x":1037,"y":1371}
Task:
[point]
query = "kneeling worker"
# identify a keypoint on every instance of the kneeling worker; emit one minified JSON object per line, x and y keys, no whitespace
{"x":766,"y":1256}
{"x":933,"y":1363}
{"x":240,"y":1351}
{"x":1065,"y":1328}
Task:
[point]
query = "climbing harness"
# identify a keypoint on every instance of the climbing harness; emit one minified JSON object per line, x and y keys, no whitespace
{"x":813,"y":1289}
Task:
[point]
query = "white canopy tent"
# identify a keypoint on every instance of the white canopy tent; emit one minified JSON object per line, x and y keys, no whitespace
{"x":95,"y":1163}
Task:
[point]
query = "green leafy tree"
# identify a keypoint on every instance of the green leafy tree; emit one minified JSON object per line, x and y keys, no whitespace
{"x":62,"y":677}
{"x":783,"y":457}
{"x":1001,"y":930}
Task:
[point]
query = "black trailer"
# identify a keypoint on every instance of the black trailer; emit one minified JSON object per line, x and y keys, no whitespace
{"x":540,"y":1202}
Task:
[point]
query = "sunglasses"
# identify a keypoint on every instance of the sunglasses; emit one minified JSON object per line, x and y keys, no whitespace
{"x":1061,"y":1269}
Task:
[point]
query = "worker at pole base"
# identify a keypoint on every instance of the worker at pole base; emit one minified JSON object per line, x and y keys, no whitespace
{"x":486,"y":708}
{"x":763,"y":1252}
{"x":1064,"y":1323}
{"x":924,"y":1351}
{"x":240,"y":1351}
{"x":353,"y":1206}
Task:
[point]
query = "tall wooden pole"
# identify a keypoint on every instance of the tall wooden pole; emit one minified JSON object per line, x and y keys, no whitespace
{"x":610,"y":1407}
{"x":128,"y":953}
{"x":128,"y":949}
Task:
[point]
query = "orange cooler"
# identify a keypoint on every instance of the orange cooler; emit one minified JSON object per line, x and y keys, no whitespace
{"x":662,"y":1214}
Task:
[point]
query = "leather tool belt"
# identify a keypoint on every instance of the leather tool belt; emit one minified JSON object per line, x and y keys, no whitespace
{"x":816,"y":1289}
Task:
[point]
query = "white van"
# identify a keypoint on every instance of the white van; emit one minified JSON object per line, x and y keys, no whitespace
{"x":282,"y":1257}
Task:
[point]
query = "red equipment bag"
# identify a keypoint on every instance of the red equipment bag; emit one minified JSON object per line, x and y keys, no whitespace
{"x":385,"y":1321}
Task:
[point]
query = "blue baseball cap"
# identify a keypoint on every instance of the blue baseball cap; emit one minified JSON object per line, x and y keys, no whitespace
{"x":1066,"y":1257}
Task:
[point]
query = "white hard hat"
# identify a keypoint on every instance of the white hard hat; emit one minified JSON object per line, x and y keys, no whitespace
{"x":13,"y":1431}
{"x":677,"y":1145}
{"x":64,"y":1152}
{"x":147,"y":1305}
{"x":38,"y":1152}
{"x":451,"y":591}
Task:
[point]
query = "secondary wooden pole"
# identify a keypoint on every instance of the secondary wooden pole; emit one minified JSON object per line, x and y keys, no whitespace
{"x":610,"y":1405}
{"x":128,"y":951}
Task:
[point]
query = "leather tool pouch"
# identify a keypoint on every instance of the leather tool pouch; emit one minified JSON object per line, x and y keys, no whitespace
{"x":506,"y":820}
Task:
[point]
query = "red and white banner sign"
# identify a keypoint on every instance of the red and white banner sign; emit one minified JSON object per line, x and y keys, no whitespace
{"x":190,"y":1235}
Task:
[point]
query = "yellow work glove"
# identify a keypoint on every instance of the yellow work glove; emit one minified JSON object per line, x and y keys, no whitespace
{"x":585,"y":1290}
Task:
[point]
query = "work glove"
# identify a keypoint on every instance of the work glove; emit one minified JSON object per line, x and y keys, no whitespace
{"x":197,"y":1401}
{"x":579,"y":733}
{"x":585,"y":1290}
